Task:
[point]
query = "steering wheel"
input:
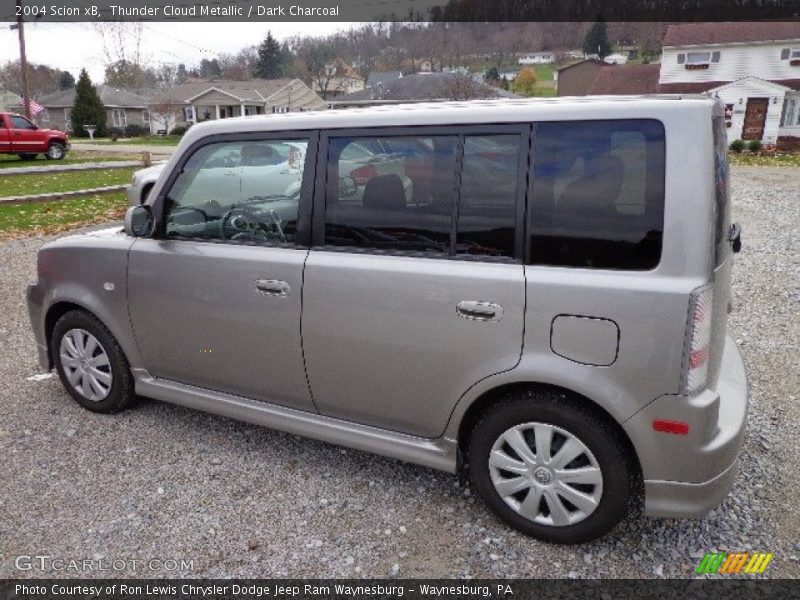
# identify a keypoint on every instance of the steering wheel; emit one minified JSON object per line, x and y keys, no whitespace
{"x":244,"y":223}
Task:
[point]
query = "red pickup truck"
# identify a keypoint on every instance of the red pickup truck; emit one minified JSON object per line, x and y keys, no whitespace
{"x":19,"y":136}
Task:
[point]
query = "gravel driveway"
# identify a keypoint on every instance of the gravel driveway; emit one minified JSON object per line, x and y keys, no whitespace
{"x":163,"y":482}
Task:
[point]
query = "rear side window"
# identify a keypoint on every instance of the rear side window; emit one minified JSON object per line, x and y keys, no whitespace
{"x":597,"y":198}
{"x":448,"y":195}
{"x":721,"y":193}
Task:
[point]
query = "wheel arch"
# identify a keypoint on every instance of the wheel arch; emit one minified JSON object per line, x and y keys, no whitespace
{"x":496,"y":394}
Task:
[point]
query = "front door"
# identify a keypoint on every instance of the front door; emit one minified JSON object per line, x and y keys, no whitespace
{"x":755,"y":117}
{"x":24,"y":137}
{"x":414,"y":290}
{"x":215,"y":295}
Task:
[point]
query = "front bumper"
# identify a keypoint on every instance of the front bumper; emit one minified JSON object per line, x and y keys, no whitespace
{"x":689,"y":475}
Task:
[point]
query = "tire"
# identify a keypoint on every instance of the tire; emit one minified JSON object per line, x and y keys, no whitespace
{"x":56,"y":151}
{"x":600,"y":502}
{"x":28,"y":156}
{"x":114,"y":389}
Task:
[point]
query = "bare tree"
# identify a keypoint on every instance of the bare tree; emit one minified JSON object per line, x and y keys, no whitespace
{"x":164,"y":111}
{"x":460,"y":87}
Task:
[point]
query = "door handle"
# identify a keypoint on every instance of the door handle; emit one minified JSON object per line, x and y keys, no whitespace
{"x":273,"y":287}
{"x":479,"y":311}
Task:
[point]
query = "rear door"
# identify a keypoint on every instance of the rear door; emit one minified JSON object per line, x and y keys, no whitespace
{"x":414,"y":288}
{"x":5,"y":135}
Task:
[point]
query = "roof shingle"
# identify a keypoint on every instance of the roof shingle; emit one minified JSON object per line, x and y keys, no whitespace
{"x":699,"y":34}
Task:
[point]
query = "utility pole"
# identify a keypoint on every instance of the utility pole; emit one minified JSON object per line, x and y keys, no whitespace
{"x":23,"y":61}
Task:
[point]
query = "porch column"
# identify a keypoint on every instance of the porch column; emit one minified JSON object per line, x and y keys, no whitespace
{"x":194,"y":114}
{"x":216,"y":108}
{"x":241,"y":114}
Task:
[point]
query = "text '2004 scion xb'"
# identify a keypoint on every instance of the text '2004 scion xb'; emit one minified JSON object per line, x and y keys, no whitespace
{"x":533,"y":291}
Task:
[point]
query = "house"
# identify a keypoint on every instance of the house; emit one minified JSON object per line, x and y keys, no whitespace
{"x":575,"y":79}
{"x":338,"y":78}
{"x":618,"y":58}
{"x":753,"y":67}
{"x":421,"y":87}
{"x":377,"y":77}
{"x":123,"y":108}
{"x":625,"y":80}
{"x":537,"y":58}
{"x":10,"y":102}
{"x":194,"y":101}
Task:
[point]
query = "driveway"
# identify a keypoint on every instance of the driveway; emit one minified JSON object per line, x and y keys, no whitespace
{"x":162,"y":481}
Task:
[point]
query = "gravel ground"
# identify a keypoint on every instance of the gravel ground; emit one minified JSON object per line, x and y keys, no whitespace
{"x":163,"y":482}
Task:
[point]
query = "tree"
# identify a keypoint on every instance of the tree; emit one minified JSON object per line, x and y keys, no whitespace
{"x":88,"y":109}
{"x":41,"y":78}
{"x":524,"y":83}
{"x":319,"y":59}
{"x":164,"y":112}
{"x":130,"y":76}
{"x":209,"y":69}
{"x":66,"y":81}
{"x":181,"y":75}
{"x":271,"y":63}
{"x":491,"y":75}
{"x":596,"y":40}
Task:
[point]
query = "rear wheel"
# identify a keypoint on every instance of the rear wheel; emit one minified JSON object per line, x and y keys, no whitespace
{"x":91,"y":364}
{"x":550,"y":468}
{"x":56,"y":151}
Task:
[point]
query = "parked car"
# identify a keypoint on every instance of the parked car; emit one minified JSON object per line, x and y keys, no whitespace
{"x":534,"y":308}
{"x":20,"y":136}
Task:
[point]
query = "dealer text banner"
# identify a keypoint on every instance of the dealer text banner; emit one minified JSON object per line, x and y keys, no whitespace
{"x":414,"y":589}
{"x":397,"y":10}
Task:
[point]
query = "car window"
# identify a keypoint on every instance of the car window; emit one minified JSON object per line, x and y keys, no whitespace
{"x":18,"y":122}
{"x":247,"y":191}
{"x":488,"y":195}
{"x":598,"y":194}
{"x":382,"y":195}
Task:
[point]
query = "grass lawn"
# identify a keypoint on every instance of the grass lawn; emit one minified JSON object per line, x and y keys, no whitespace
{"x":69,"y":181}
{"x":779,"y":160}
{"x":7,"y":161}
{"x":150,"y":140}
{"x":44,"y":218}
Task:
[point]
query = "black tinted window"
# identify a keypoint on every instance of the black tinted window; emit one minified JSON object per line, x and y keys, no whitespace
{"x":488,"y":195}
{"x":598,"y":194}
{"x":21,"y":123}
{"x":391,"y":193}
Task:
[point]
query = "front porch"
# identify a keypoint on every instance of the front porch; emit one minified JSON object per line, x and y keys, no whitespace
{"x":197,"y":113}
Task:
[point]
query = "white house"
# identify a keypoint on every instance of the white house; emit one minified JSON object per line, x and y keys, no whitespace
{"x":537,"y":58}
{"x":753,"y":67}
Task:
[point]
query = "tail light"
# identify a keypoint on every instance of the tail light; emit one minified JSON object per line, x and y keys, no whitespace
{"x":698,"y":340}
{"x":362,"y":175}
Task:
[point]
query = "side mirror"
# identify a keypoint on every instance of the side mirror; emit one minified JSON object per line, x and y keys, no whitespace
{"x":347,"y":186}
{"x":139,"y":221}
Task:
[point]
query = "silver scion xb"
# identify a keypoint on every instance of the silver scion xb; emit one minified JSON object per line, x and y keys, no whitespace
{"x":534,"y":292}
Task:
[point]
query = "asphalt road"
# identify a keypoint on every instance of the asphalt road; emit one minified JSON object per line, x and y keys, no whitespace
{"x":160,"y":483}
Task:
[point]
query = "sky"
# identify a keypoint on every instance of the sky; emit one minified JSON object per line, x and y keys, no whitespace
{"x":73,"y":46}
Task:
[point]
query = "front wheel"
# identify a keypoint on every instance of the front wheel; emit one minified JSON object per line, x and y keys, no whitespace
{"x":91,"y":364}
{"x":56,"y":151}
{"x":550,"y":468}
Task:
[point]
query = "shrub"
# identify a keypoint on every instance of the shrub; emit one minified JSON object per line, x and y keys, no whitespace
{"x":178,"y":130}
{"x":135,"y":130}
{"x":754,"y":146}
{"x":115,"y":133}
{"x":737,"y":146}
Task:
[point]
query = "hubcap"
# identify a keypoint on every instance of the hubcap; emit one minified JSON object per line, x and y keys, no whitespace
{"x":86,"y":364}
{"x":546,"y":474}
{"x":55,"y":151}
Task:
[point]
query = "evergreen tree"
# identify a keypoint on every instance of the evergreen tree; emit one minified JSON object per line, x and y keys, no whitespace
{"x":88,"y":109}
{"x":491,"y":74}
{"x":596,"y":40}
{"x":271,"y":62}
{"x":66,"y":81}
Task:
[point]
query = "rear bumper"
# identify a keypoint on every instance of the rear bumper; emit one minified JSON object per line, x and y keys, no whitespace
{"x":689,"y":475}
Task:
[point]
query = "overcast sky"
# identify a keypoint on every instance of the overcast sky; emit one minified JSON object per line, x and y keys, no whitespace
{"x":73,"y":46}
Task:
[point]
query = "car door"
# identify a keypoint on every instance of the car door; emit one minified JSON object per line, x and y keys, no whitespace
{"x":24,"y":136}
{"x":410,"y":299}
{"x":5,"y":135}
{"x":215,"y":295}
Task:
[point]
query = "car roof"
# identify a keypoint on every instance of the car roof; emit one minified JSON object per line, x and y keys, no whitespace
{"x":459,"y":113}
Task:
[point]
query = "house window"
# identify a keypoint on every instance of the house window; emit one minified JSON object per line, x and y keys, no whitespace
{"x":698,"y":58}
{"x":67,"y":115}
{"x":188,"y":114}
{"x":791,"y":112}
{"x":119,"y":118}
{"x":792,"y":54}
{"x":728,"y":115}
{"x":146,"y":117}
